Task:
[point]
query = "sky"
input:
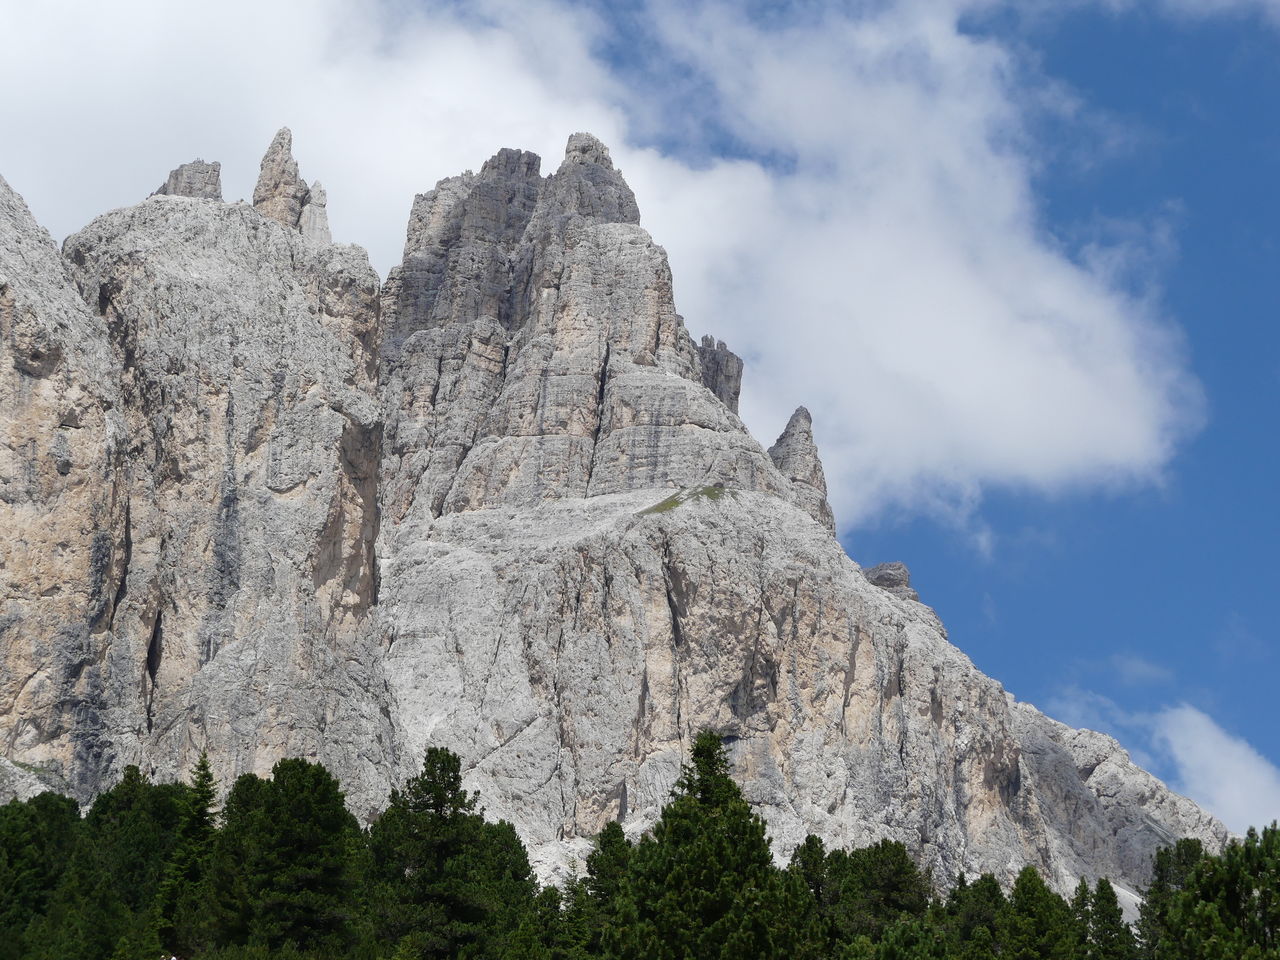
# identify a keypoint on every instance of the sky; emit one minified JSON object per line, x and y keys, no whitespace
{"x":1019,"y":259}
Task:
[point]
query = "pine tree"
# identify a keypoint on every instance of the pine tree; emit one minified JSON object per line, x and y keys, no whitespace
{"x":1081,"y":916}
{"x":179,"y":902}
{"x":1169,"y":875}
{"x":1038,"y":924}
{"x":973,"y":914}
{"x":279,"y":871}
{"x":1230,"y":905}
{"x":870,"y":889}
{"x":703,"y":883}
{"x":1109,"y":936}
{"x":36,"y":840}
{"x":444,"y":882}
{"x":114,"y":871}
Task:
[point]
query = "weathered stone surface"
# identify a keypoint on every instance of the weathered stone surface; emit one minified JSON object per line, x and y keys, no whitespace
{"x":894,"y":577}
{"x":230,"y":581}
{"x":313,"y":222}
{"x":571,"y":651}
{"x":721,"y":371}
{"x":262,"y":508}
{"x":280,"y":192}
{"x":284,"y":196}
{"x":796,"y":457}
{"x":62,"y":505}
{"x":197,"y":179}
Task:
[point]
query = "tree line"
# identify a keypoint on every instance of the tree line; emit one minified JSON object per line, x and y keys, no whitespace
{"x":283,"y":869}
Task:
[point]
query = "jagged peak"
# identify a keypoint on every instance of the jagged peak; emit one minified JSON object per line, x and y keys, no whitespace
{"x":509,"y":162}
{"x":795,"y":454}
{"x":280,"y":192}
{"x":285,"y":197}
{"x":721,"y":371}
{"x":585,"y":148}
{"x":195,"y":179}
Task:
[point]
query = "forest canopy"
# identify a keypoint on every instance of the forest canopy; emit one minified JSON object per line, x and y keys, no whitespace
{"x":282,"y":868}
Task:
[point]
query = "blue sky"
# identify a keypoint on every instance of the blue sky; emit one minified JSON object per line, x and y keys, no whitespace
{"x":1018,"y":258}
{"x":1164,"y":595}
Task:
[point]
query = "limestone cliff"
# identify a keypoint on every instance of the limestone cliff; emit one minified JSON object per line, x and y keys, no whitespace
{"x":256,"y":503}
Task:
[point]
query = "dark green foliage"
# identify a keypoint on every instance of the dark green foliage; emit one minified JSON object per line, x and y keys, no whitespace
{"x":1229,"y":905}
{"x":36,"y":839}
{"x":1038,"y":924}
{"x":703,"y":884}
{"x":1169,"y":875}
{"x":285,"y":872}
{"x":112,"y":876}
{"x":444,"y":881}
{"x":279,"y":870}
{"x":972,"y":916}
{"x":1109,"y":936}
{"x":179,"y":905}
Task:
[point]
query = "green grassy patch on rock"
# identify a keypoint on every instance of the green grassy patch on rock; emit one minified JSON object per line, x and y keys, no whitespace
{"x":711,"y":492}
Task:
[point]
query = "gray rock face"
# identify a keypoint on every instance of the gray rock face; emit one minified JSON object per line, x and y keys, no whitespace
{"x":262,"y":506}
{"x":894,"y":577}
{"x":229,"y":565}
{"x":796,"y":457}
{"x":284,"y":196}
{"x":63,"y":503}
{"x":197,"y":179}
{"x":721,"y":371}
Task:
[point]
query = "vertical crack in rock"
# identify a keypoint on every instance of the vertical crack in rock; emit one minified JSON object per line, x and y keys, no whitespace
{"x":155,"y":652}
{"x":122,"y":591}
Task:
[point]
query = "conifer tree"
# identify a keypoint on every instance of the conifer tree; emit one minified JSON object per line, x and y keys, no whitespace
{"x":973,"y":914}
{"x":1169,"y":875}
{"x":178,"y":901}
{"x":445,"y":882}
{"x":114,"y":871}
{"x":703,"y":883}
{"x":279,"y":871}
{"x":36,"y":840}
{"x":1081,"y":913}
{"x":1109,"y":936}
{"x":1038,"y":924}
{"x":1230,"y":905}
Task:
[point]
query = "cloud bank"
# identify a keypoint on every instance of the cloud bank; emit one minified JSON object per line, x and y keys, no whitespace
{"x":847,"y":196}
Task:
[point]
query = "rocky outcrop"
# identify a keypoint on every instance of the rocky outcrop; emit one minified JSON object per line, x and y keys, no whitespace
{"x":63,"y":504}
{"x":502,"y":503}
{"x":313,"y":221}
{"x":721,"y":371}
{"x":284,"y":196}
{"x":894,"y":577}
{"x":228,"y":548}
{"x":197,"y":179}
{"x":796,"y":457}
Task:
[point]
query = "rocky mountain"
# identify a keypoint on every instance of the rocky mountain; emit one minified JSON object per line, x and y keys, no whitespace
{"x":255,"y":502}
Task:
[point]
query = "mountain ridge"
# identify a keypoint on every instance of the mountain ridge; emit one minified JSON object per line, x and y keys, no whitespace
{"x":268,"y":505}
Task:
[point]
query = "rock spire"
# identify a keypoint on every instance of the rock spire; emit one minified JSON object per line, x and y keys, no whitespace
{"x":284,"y":196}
{"x":796,"y":456}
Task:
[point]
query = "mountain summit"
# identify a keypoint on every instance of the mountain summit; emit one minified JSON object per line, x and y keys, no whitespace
{"x":259,"y":504}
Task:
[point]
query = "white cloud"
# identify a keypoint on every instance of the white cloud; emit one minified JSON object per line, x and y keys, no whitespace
{"x":1223,"y":773}
{"x":891,"y":269}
